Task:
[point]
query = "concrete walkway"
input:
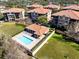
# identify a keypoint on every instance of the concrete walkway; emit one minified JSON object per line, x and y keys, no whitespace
{"x":42,"y":44}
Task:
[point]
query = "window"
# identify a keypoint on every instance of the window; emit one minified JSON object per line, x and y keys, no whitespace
{"x":60,"y":24}
{"x":67,"y":20}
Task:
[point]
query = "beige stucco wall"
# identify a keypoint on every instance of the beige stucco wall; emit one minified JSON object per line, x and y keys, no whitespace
{"x":49,"y":15}
{"x":22,"y":15}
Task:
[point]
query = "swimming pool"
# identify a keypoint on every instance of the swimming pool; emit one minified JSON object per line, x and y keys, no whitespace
{"x":25,"y":40}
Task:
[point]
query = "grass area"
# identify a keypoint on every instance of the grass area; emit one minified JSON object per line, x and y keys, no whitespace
{"x":10,"y":28}
{"x":57,"y":48}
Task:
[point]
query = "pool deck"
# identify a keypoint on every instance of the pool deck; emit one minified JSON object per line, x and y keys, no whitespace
{"x":27,"y":46}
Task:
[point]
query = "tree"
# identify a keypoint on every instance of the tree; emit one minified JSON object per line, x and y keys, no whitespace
{"x":1,"y":16}
{"x":2,"y":45}
{"x":42,"y":20}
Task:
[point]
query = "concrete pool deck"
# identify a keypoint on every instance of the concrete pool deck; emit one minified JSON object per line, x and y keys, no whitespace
{"x":27,"y":46}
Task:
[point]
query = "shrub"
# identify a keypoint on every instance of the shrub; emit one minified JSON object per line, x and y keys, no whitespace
{"x":42,"y":20}
{"x":1,"y":16}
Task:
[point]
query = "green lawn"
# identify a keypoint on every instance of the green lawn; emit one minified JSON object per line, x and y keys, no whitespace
{"x":10,"y":28}
{"x":57,"y":48}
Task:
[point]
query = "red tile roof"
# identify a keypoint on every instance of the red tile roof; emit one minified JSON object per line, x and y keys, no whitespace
{"x":73,"y":7}
{"x":52,"y":6}
{"x":39,"y":30}
{"x":16,"y":10}
{"x":40,"y":10}
{"x":68,"y":13}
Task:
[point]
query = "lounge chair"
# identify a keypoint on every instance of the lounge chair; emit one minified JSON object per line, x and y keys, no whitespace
{"x":35,"y":36}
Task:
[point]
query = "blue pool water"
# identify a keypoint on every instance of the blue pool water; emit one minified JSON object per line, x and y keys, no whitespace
{"x":25,"y":40}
